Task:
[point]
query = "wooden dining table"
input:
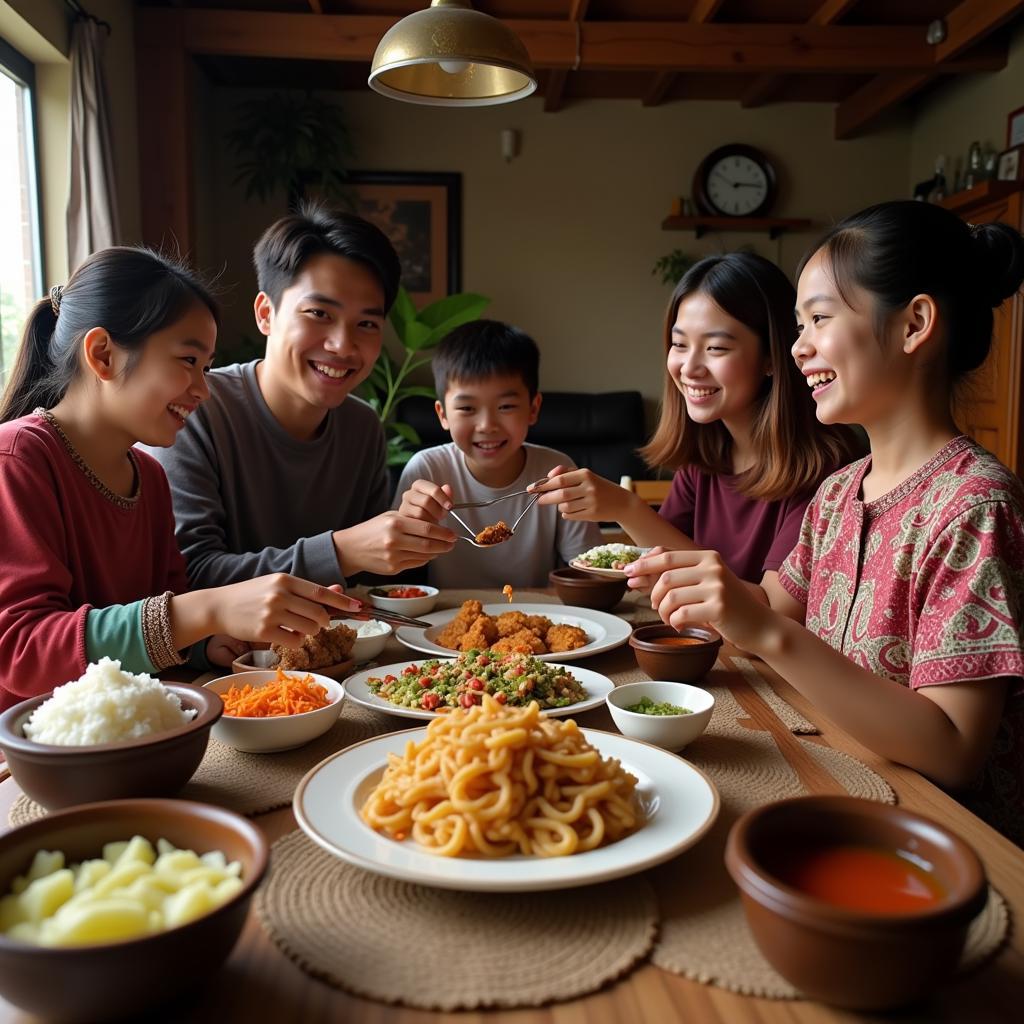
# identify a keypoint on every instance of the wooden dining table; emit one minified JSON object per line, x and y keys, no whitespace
{"x":258,"y":982}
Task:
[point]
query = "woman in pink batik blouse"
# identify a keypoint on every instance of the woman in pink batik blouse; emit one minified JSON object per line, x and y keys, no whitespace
{"x":899,"y":612}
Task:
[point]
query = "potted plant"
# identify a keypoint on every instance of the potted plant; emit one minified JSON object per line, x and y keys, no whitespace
{"x":289,"y":142}
{"x":418,"y":332}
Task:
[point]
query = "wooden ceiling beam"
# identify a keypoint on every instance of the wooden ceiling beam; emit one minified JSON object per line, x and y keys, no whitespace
{"x":612,"y":46}
{"x":971,"y":21}
{"x":554,"y":91}
{"x":765,"y":86}
{"x":703,"y":11}
{"x":967,"y":26}
{"x":856,"y":112}
{"x":317,"y":6}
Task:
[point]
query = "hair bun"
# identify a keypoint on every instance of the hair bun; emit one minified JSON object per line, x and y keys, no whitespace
{"x":1000,"y":266}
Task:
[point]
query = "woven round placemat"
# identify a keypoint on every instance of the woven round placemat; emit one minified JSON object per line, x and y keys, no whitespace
{"x":256,"y":783}
{"x":442,"y":950}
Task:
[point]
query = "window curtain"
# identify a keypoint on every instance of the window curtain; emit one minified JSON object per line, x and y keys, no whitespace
{"x":92,"y":210}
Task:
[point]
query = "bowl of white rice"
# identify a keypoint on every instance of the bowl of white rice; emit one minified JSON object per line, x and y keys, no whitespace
{"x":108,"y":735}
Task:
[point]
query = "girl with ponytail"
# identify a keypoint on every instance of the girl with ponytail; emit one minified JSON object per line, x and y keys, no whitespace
{"x":900,"y":611}
{"x":90,"y":566}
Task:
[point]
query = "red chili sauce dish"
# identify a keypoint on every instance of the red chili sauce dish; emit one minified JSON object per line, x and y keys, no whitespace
{"x":865,"y":878}
{"x":398,"y":592}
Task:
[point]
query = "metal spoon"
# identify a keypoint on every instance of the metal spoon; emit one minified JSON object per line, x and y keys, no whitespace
{"x":471,"y":539}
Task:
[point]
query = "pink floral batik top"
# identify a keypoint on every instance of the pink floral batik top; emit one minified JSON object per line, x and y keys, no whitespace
{"x":925,"y":585}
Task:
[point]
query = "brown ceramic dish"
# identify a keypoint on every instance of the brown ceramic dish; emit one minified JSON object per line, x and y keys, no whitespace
{"x":91,"y":983}
{"x":657,"y":653}
{"x":862,"y":960}
{"x":585,"y":590}
{"x":155,"y":765}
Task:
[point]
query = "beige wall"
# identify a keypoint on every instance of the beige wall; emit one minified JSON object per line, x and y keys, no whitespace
{"x":948,"y":118}
{"x":564,"y":237}
{"x":39,"y":29}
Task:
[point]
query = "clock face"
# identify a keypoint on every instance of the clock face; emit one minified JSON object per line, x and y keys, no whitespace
{"x":736,"y":185}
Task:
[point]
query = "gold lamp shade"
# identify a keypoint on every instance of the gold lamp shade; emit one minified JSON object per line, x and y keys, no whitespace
{"x":452,"y":56}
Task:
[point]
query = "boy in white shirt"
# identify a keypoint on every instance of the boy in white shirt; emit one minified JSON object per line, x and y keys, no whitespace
{"x":486,"y":373}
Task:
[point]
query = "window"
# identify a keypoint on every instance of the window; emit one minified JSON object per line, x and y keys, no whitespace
{"x":21,"y":270}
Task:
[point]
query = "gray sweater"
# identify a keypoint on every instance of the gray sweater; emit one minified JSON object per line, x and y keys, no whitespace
{"x":249,"y":499}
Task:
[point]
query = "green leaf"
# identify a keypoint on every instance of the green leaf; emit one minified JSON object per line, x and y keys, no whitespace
{"x":418,"y":391}
{"x":407,"y":433}
{"x":403,"y":312}
{"x":417,"y":335}
{"x":440,"y":312}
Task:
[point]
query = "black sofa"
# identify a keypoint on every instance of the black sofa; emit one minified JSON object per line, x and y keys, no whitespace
{"x":597,"y":431}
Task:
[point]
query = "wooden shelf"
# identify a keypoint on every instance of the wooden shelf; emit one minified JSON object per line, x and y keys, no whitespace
{"x":700,"y":225}
{"x":984,"y":192}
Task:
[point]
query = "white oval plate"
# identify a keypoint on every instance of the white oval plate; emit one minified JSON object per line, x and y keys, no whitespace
{"x":357,"y":689}
{"x":615,"y":574}
{"x":605,"y":631}
{"x":680,"y":802}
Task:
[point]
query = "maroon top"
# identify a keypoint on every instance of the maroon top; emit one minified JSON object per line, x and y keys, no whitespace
{"x":752,"y":536}
{"x":68,"y":548}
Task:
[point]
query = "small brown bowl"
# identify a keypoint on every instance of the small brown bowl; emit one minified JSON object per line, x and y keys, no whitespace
{"x":858,"y":959}
{"x":99,"y":982}
{"x":155,"y":765}
{"x":675,"y":664}
{"x":585,"y":590}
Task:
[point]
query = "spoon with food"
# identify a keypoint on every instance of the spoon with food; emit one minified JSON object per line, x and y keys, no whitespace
{"x":491,"y":536}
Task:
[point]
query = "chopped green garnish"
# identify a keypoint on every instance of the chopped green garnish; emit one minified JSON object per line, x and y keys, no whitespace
{"x":646,"y":706}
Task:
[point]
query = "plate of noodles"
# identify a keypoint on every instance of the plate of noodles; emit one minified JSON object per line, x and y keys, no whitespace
{"x":499,"y":799}
{"x":433,"y":687}
{"x":551,"y":632}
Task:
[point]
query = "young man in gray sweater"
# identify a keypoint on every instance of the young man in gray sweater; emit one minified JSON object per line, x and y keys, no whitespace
{"x":282,"y":469}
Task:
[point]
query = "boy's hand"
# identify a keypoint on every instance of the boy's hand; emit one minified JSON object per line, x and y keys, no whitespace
{"x":389,"y":543}
{"x":426,"y":500}
{"x":582,"y":494}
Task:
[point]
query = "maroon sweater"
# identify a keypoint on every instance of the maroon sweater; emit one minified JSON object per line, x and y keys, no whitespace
{"x":67,"y":548}
{"x":752,"y":536}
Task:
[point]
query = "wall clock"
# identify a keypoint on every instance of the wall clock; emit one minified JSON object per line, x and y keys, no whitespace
{"x":735,"y":181}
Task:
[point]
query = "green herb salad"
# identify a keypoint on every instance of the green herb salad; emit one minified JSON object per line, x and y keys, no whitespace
{"x":513,"y":679}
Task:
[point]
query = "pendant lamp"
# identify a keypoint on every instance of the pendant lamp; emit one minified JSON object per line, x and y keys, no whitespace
{"x":452,"y":56}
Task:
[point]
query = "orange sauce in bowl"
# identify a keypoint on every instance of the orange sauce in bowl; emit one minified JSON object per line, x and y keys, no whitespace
{"x":678,"y":641}
{"x":862,"y":878}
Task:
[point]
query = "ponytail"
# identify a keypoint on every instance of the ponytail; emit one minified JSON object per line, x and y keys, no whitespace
{"x":34,"y":378}
{"x":131,"y":292}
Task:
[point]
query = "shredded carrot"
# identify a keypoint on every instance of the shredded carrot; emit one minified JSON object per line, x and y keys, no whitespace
{"x":507,"y":591}
{"x":285,"y":695}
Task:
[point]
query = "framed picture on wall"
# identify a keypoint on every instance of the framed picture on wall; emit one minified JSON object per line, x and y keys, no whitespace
{"x":1015,"y":127}
{"x":421,"y":212}
{"x":1010,"y":164}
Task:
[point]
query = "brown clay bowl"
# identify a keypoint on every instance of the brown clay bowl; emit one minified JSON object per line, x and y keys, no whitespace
{"x":858,"y":959}
{"x":100,"y":982}
{"x":585,"y":590}
{"x":675,"y":664}
{"x":153,"y":766}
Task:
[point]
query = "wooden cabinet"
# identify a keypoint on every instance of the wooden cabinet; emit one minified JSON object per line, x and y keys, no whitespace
{"x":989,"y":407}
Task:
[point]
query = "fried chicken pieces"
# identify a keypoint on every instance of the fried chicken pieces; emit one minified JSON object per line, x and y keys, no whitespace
{"x":318,"y":650}
{"x":509,"y":633}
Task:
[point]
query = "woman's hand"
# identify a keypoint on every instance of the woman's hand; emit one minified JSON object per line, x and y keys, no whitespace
{"x":278,"y":608}
{"x":223,"y":649}
{"x":582,"y":494}
{"x":696,"y":587}
{"x":639,"y":579}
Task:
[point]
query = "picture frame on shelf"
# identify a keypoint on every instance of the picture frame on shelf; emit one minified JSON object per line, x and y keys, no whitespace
{"x":1010,"y":165}
{"x":1015,"y":128}
{"x":421,"y":213}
